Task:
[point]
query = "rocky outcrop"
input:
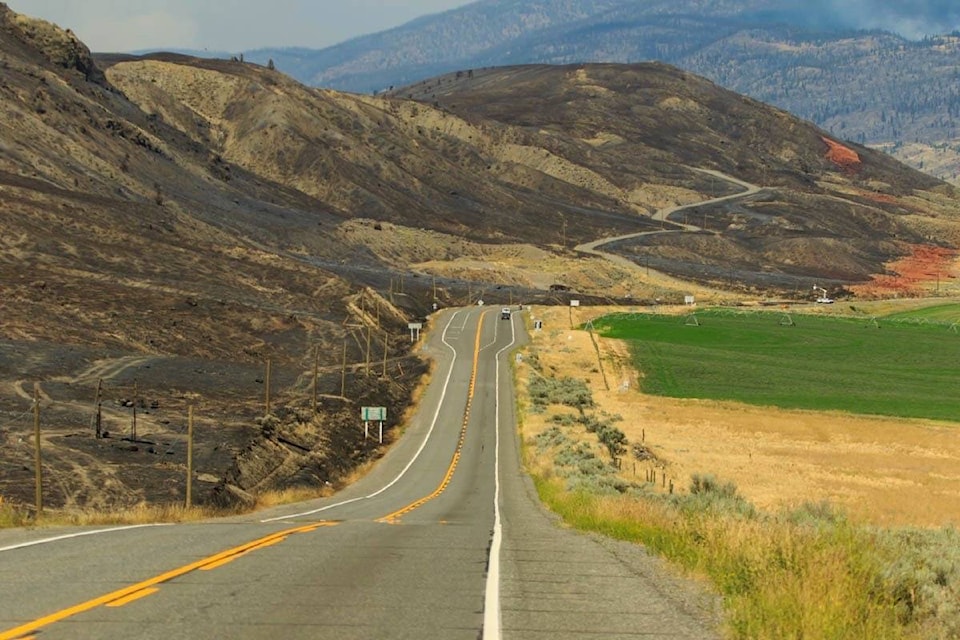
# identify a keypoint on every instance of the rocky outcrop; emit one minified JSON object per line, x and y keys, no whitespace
{"x":61,"y":47}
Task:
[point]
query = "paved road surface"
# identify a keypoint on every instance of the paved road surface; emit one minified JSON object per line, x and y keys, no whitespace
{"x":443,"y":539}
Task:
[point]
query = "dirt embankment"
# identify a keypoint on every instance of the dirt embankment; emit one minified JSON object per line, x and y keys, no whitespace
{"x":142,"y":454}
{"x":842,"y":156}
{"x":926,"y":270}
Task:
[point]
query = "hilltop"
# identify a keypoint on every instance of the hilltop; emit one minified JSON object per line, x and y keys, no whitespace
{"x":836,"y":64}
{"x":172,"y":223}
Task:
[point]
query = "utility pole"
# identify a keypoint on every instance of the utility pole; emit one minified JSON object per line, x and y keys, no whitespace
{"x":38,"y":471}
{"x":343,"y":372}
{"x":369,"y":335}
{"x":189,"y":501}
{"x":136,"y":393}
{"x":384,"y":354}
{"x":316,"y":375}
{"x":98,"y":420}
{"x":266,"y":392}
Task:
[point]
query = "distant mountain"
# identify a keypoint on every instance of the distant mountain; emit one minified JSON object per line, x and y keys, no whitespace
{"x":814,"y":59}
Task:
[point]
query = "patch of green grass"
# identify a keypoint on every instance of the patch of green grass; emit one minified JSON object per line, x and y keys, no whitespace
{"x":822,"y":363}
{"x":944,"y":313}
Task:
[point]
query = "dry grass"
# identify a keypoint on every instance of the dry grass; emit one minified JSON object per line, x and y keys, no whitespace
{"x":11,"y":516}
{"x":291,"y":495}
{"x":778,"y":580}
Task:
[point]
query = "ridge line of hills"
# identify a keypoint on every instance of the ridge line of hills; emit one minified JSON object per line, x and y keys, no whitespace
{"x":867,"y":85}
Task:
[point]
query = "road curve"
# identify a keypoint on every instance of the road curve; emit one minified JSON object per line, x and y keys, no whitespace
{"x":444,"y":539}
{"x":593,"y":248}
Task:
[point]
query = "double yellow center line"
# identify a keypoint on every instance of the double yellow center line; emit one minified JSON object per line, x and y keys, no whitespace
{"x":142,"y":589}
{"x":392,"y":518}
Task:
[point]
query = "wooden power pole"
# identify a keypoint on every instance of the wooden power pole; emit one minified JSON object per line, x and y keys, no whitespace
{"x":133,"y":429}
{"x":189,"y":501}
{"x":99,"y":408}
{"x":38,"y":474}
{"x":343,"y":371}
{"x":266,"y":392}
{"x":316,"y":375}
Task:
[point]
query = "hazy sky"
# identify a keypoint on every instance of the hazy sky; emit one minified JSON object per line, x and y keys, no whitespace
{"x":224,"y":25}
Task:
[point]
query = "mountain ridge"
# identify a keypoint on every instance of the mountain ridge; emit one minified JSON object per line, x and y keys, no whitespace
{"x":866,"y":85}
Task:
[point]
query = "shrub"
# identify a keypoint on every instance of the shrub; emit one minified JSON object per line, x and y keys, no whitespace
{"x":572,"y":454}
{"x":709,"y":495}
{"x":613,"y":439}
{"x":815,"y":514}
{"x":566,"y":391}
{"x":709,"y":485}
{"x":924,"y":577}
{"x":563,"y":419}
{"x":11,"y":516}
{"x":552,"y":437}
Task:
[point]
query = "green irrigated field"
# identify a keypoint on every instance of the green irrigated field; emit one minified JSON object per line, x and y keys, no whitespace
{"x":883,"y":367}
{"x":948,"y":313}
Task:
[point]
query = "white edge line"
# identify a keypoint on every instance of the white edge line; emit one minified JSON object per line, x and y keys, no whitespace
{"x":423,"y":444}
{"x":491,"y":603}
{"x":80,"y":535}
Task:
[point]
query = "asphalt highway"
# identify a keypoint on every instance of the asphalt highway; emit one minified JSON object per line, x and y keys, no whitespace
{"x":443,"y":539}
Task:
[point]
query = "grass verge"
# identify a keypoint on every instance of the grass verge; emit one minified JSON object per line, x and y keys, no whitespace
{"x":778,"y":580}
{"x":12,"y":516}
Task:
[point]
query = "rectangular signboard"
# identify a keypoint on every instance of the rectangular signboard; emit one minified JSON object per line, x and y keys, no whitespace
{"x":574,"y":303}
{"x":373,"y":414}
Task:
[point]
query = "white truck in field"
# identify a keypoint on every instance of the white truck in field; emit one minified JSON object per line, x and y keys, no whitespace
{"x":822,"y":297}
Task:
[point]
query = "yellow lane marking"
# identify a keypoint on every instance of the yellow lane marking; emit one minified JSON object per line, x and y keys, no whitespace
{"x":18,"y":633}
{"x":393,"y":518}
{"x":143,"y":593}
{"x":223,"y":561}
